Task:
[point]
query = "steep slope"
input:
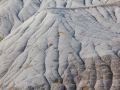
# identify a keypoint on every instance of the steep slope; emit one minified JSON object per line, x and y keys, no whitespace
{"x":14,"y":12}
{"x":61,"y":45}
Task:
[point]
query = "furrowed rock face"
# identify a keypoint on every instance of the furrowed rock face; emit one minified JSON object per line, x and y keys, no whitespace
{"x":60,"y":45}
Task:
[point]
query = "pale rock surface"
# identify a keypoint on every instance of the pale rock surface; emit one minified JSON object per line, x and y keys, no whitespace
{"x":60,"y":45}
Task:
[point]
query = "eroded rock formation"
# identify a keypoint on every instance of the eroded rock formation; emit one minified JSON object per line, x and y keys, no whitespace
{"x":60,"y":45}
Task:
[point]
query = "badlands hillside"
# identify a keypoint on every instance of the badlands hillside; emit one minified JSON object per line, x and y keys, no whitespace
{"x":59,"y":45}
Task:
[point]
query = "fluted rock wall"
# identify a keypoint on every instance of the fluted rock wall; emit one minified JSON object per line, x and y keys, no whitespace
{"x":60,"y":45}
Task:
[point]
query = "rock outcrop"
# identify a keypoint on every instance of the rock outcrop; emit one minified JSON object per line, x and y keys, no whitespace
{"x":60,"y":45}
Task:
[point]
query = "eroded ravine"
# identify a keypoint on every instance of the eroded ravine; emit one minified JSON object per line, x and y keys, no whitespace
{"x":62,"y":49}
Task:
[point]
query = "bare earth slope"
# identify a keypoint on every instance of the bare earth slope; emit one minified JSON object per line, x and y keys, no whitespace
{"x":60,"y":45}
